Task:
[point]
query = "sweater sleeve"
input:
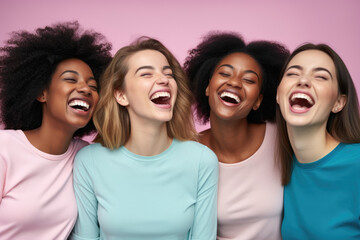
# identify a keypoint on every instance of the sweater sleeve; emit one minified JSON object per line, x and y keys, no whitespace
{"x":205,"y":220}
{"x":86,"y":226}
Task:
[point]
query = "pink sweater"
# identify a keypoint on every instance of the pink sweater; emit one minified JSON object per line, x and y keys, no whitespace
{"x":36,"y":191}
{"x":250,"y":197}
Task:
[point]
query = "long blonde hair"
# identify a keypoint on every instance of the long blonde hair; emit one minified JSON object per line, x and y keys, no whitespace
{"x":112,"y":120}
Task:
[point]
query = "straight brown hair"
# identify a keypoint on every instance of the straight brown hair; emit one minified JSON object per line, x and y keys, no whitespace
{"x":343,"y":126}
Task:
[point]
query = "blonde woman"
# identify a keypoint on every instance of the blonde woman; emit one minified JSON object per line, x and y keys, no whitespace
{"x":144,"y":179}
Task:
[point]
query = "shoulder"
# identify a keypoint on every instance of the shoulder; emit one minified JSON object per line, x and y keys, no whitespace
{"x":79,"y":144}
{"x":351,"y":150}
{"x":193,"y":146}
{"x":197,"y":152}
{"x":87,"y":153}
{"x":10,"y":135}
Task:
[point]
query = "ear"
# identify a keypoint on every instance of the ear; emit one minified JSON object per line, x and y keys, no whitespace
{"x":340,"y":103}
{"x":207,"y":91}
{"x":277,"y":98}
{"x":121,"y":98}
{"x":258,"y":102}
{"x":42,"y":97}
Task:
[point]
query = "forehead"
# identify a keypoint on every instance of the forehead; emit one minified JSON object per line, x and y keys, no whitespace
{"x":313,"y":59}
{"x":147,"y":58}
{"x":240,"y":59}
{"x":73,"y":64}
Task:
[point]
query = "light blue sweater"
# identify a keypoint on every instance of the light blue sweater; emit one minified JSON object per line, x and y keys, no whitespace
{"x":170,"y":196}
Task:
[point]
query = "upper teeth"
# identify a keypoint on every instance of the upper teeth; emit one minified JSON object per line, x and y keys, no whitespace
{"x":79,"y":103}
{"x":230,"y":95}
{"x":160,"y":94}
{"x":303,"y":96}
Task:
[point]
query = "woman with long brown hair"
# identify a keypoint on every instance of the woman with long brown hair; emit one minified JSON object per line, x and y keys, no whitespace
{"x":319,"y":136}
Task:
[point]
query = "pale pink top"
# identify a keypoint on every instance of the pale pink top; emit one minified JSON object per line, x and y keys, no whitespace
{"x":36,"y":190}
{"x":250,"y":197}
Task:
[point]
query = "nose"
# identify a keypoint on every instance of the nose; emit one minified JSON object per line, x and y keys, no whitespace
{"x":83,"y":88}
{"x":162,"y":79}
{"x":304,"y":81}
{"x":234,"y":82}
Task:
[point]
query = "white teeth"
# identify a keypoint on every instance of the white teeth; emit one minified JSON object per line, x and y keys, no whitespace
{"x":230,"y":95}
{"x":160,"y":94}
{"x":80,"y":103}
{"x":303,"y":96}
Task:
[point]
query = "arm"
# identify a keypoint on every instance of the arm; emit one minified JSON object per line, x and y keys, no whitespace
{"x":205,"y":220}
{"x":86,"y":226}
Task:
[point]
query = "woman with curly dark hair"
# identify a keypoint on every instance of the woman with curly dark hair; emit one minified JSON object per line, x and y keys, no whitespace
{"x":234,"y":84}
{"x":49,"y":90}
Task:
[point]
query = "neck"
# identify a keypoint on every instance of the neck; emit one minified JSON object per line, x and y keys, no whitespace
{"x":50,"y":140}
{"x":148,"y":139}
{"x":234,"y":141}
{"x":311,"y":143}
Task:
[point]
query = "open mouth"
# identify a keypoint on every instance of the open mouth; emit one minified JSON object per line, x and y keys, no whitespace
{"x":79,"y":105}
{"x":161,"y":98}
{"x":230,"y":97}
{"x":301,"y":101}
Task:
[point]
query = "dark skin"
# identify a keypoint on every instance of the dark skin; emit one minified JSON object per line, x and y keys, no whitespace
{"x":234,"y":90}
{"x":233,"y":142}
{"x":73,"y":81}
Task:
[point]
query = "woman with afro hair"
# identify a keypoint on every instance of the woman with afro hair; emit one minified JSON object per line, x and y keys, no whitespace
{"x":234,"y":84}
{"x":49,"y":90}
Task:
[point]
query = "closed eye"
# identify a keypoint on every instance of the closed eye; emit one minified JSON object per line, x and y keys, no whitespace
{"x":250,"y":81}
{"x":146,"y":75}
{"x":170,"y":75}
{"x":93,"y":87}
{"x":224,"y":74}
{"x":321,"y":77}
{"x":70,"y":80}
{"x":291,"y":74}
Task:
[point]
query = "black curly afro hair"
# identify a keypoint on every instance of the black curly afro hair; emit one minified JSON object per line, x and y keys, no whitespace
{"x":28,"y":61}
{"x":203,"y":59}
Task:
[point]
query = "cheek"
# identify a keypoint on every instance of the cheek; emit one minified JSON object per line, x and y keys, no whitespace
{"x":96,"y":98}
{"x":281,"y":90}
{"x":174,"y":89}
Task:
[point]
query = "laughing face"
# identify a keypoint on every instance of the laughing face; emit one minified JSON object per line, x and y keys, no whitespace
{"x":70,"y":99}
{"x":308,"y":91}
{"x":234,"y":88}
{"x":150,"y":89}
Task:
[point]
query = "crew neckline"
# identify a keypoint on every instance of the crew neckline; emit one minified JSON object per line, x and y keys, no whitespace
{"x":320,"y":161}
{"x":156,"y":157}
{"x":53,"y":157}
{"x":257,"y":152}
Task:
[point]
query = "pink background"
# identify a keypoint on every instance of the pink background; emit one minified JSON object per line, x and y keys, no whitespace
{"x":181,"y":24}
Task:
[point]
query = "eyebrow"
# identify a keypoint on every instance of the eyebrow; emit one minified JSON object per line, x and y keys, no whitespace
{"x":76,"y":73}
{"x":247,"y":71}
{"x":69,"y":71}
{"x":151,"y":68}
{"x":314,"y":70}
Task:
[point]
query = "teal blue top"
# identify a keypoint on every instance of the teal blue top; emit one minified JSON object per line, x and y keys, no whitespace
{"x":170,"y":196}
{"x":322,"y":200}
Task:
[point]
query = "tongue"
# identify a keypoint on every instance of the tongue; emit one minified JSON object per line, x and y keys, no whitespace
{"x":161,"y":100}
{"x":299,"y":107}
{"x":300,"y":103}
